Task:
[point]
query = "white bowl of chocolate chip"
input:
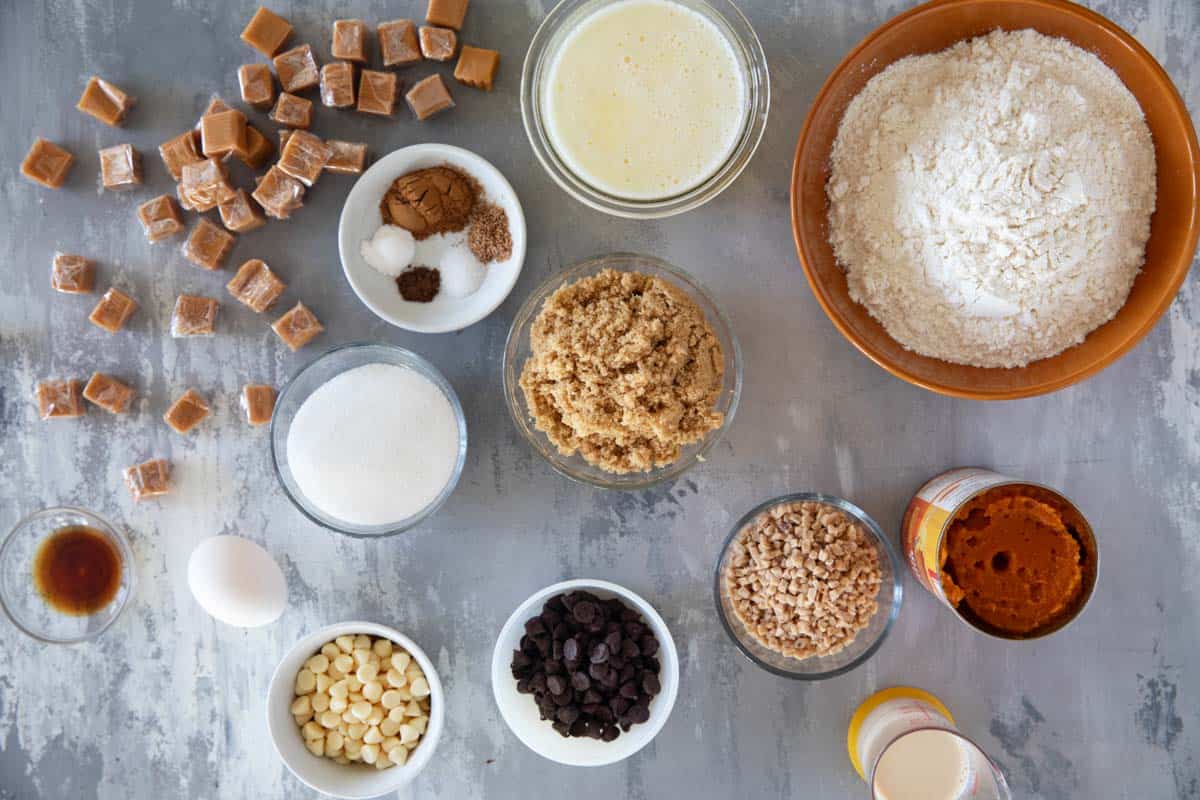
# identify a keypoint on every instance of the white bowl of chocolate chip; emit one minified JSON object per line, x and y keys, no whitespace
{"x":467,"y":233}
{"x":585,"y":673}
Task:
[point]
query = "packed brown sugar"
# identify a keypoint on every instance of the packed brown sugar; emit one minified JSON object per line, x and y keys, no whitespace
{"x":1012,"y":557}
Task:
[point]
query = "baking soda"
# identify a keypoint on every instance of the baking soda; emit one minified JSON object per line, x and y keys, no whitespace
{"x":374,"y":445}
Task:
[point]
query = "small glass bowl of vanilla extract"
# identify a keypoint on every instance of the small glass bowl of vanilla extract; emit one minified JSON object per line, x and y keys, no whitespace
{"x":65,"y":575}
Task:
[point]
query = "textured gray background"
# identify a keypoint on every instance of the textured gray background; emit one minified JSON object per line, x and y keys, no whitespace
{"x":169,"y":703}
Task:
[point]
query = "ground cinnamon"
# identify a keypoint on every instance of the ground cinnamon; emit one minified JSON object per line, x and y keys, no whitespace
{"x":430,"y":201}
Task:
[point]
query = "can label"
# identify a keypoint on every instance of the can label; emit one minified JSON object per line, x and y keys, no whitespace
{"x":928,"y":514}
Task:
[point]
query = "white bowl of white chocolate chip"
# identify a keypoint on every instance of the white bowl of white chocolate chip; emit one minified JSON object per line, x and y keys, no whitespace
{"x":355,"y":710}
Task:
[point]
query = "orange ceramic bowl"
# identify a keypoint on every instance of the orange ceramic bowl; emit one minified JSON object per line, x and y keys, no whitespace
{"x":1174,"y":229}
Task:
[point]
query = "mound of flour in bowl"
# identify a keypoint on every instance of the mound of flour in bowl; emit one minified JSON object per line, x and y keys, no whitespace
{"x":991,"y":203}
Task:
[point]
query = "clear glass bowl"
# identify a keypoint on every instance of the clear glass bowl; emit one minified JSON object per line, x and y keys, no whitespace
{"x":20,"y":598}
{"x":867,"y":641}
{"x":316,"y":374}
{"x":749,"y":53}
{"x":517,"y":351}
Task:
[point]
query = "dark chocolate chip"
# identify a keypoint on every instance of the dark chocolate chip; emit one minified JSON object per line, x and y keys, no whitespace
{"x":570,"y":649}
{"x":599,"y":653}
{"x":651,"y":684}
{"x":580,"y":681}
{"x":628,"y":690}
{"x":534,"y":626}
{"x":584,"y":612}
{"x":556,"y":684}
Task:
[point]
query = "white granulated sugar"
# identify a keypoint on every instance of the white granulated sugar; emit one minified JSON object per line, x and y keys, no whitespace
{"x":991,"y":203}
{"x":373,"y":445}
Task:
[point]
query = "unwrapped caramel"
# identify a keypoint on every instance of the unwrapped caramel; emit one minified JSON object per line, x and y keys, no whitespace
{"x":105,"y":102}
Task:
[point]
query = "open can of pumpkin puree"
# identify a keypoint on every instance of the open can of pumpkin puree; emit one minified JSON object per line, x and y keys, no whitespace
{"x":1012,"y":559}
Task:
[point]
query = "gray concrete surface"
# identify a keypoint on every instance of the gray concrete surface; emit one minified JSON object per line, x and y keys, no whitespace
{"x":169,"y":703}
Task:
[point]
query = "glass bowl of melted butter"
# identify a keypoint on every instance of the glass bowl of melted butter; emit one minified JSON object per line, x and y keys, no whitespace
{"x":645,"y":108}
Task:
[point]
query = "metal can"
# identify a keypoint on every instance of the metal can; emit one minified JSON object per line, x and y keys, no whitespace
{"x":936,"y":504}
{"x":897,"y":725}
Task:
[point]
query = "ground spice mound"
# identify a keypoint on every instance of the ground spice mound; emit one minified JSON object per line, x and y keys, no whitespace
{"x":1014,"y":560}
{"x":419,"y":284}
{"x":489,"y":236}
{"x":625,"y":370}
{"x":430,"y":201}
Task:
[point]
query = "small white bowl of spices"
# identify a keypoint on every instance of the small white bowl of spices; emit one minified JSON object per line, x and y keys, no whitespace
{"x":432,"y":238}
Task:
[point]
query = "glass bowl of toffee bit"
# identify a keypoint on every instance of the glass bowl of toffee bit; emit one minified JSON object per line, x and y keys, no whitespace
{"x":807,"y":586}
{"x":65,"y":575}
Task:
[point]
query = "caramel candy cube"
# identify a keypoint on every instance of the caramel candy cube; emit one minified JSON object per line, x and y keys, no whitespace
{"x":258,"y":401}
{"x":447,"y":13}
{"x":348,"y":158}
{"x":477,"y":67}
{"x":256,"y":286}
{"x":429,"y":97}
{"x":215,"y":106}
{"x":438,"y":44}
{"x":241,"y":214}
{"x":187,"y":412}
{"x":160,"y":218}
{"x":105,"y":102}
{"x":295,"y":112}
{"x":113,"y":311}
{"x":194,"y":316}
{"x":108,"y":393}
{"x":377,"y":92}
{"x":278,"y":193}
{"x":183,"y":149}
{"x":148,"y":479}
{"x":284,"y":135}
{"x":223,"y":133}
{"x":72,"y":274}
{"x":120,"y":167}
{"x":257,"y":85}
{"x":337,"y":84}
{"x":297,"y":69}
{"x":297,"y":327}
{"x":349,"y":40}
{"x":208,"y":245}
{"x":304,"y":156}
{"x":266,"y":32}
{"x":60,"y":399}
{"x":398,"y":42}
{"x":47,"y":164}
{"x":259,"y":148}
{"x":204,"y":185}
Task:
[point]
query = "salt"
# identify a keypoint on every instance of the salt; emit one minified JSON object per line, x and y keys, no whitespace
{"x":390,"y":251}
{"x":374,"y":445}
{"x":462,"y":273}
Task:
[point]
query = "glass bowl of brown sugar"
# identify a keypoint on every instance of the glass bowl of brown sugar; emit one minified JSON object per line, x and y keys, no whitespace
{"x":65,"y":575}
{"x":595,"y":461}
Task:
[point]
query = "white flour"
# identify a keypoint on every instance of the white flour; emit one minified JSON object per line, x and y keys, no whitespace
{"x":991,"y":203}
{"x":374,"y":445}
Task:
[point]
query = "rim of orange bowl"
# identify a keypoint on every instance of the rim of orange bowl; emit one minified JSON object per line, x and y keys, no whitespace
{"x":1178,"y":108}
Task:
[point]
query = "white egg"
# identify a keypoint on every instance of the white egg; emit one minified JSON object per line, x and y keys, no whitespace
{"x":236,"y":581}
{"x":390,"y":251}
{"x":461,"y":272}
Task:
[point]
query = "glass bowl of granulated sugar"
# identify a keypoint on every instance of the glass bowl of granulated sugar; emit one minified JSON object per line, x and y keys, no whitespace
{"x":368,"y":440}
{"x":984,"y":323}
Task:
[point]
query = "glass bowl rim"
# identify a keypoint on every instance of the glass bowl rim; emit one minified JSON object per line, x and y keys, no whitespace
{"x":527,"y":314}
{"x":423,"y":366}
{"x":750,"y":138}
{"x":128,"y":570}
{"x":882,"y":543}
